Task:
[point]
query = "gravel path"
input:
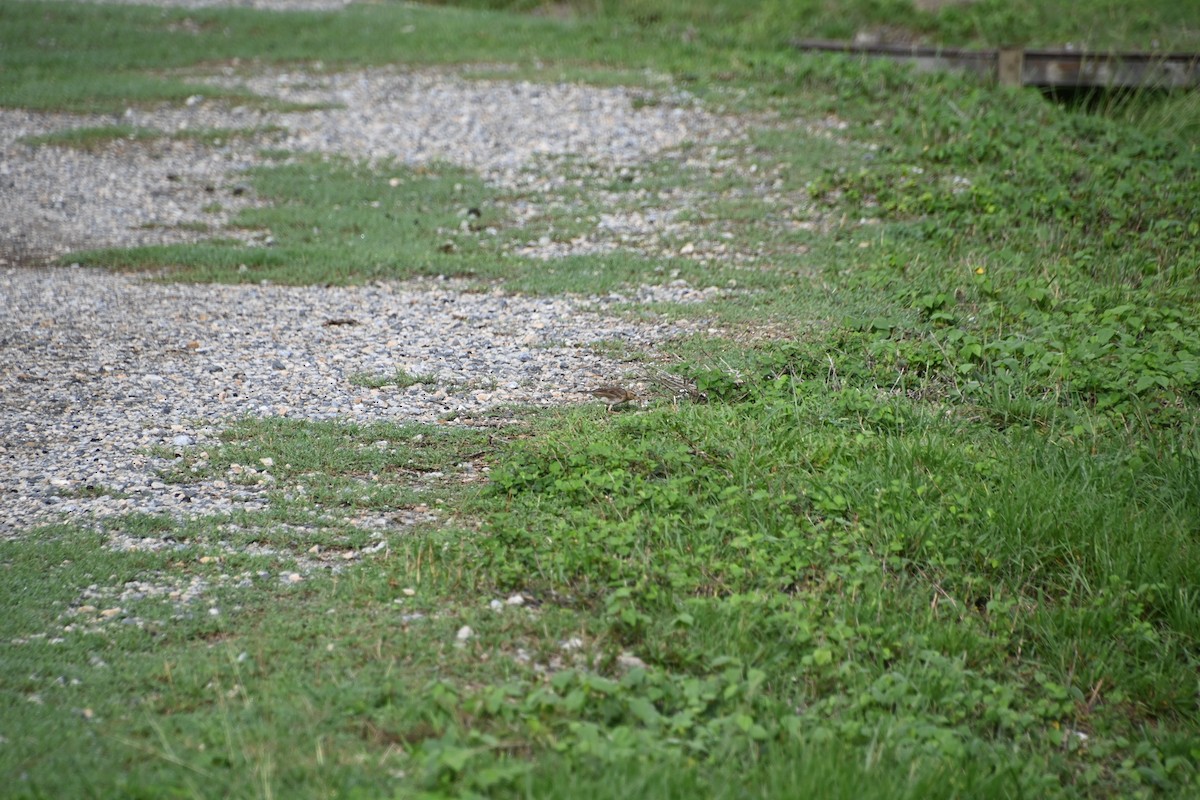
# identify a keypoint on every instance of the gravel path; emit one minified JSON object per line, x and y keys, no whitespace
{"x":171,"y":189}
{"x":95,"y":368}
{"x":99,"y":367}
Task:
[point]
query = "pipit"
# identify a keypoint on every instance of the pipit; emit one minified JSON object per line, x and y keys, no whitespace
{"x":613,"y":396}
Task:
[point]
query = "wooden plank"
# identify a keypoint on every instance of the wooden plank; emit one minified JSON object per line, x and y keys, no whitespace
{"x":1051,"y":68}
{"x":1042,"y":68}
{"x":1010,"y":67}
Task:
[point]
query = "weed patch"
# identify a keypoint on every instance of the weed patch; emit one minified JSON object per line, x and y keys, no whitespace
{"x":856,"y":560}
{"x":96,"y":138}
{"x":400,"y":379}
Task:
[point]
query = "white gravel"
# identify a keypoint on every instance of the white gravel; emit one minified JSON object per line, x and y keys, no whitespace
{"x":499,"y":128}
{"x":96,"y":368}
{"x":54,"y":200}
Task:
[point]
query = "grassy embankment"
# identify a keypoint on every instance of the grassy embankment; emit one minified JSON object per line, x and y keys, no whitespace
{"x":927,"y":527}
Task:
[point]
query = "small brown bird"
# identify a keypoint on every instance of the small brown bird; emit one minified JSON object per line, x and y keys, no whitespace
{"x":613,"y":396}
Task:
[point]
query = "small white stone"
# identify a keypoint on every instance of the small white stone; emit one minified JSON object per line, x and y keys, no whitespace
{"x":629,"y":661}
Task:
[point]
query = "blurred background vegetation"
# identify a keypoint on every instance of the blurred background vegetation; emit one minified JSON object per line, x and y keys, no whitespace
{"x":1151,"y":25}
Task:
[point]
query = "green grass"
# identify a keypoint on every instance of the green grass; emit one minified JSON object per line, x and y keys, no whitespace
{"x":1152,"y":25}
{"x":803,"y":574}
{"x":106,"y":58}
{"x":401,"y":379}
{"x":95,"y":138}
{"x":335,"y":222}
{"x":888,"y":576}
{"x":924,"y":524}
{"x":91,"y":139}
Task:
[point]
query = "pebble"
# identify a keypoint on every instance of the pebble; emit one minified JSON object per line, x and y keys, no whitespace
{"x":495,"y":127}
{"x":99,"y":369}
{"x":176,"y":189}
{"x":54,"y":199}
{"x":106,"y":379}
{"x":78,"y":417}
